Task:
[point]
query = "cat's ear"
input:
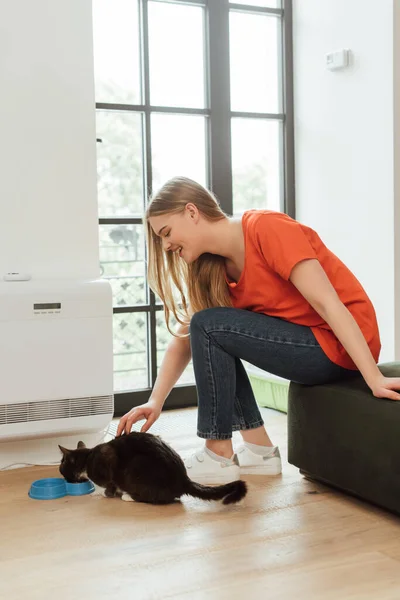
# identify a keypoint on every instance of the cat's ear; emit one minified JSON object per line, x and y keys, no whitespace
{"x":65,"y":451}
{"x":81,"y":445}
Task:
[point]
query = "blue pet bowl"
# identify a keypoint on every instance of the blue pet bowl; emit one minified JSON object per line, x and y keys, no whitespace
{"x":79,"y":489}
{"x":56,"y":487}
{"x":48,"y":489}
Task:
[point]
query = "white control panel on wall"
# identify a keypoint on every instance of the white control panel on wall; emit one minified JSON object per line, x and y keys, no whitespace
{"x":337,"y":60}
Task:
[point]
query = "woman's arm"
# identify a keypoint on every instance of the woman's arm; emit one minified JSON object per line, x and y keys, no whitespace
{"x":175,"y":361}
{"x":176,"y":358}
{"x":312,"y":282}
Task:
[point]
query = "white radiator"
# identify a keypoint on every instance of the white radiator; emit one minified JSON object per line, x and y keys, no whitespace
{"x":56,"y":358}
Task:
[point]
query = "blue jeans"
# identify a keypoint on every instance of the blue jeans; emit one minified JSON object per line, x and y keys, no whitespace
{"x":220,"y":337}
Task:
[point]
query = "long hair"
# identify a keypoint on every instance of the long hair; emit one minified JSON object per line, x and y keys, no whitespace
{"x":184,"y":289}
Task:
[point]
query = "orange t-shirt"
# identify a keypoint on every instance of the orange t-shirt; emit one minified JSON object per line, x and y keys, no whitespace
{"x":274,"y":244}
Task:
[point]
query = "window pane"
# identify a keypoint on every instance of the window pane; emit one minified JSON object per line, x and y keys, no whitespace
{"x":116,"y":51}
{"x":120,"y":163}
{"x":254,"y":61}
{"x":176,"y":55}
{"x":178,"y":148}
{"x":130,"y":352}
{"x":163,"y":339}
{"x":256,"y":150}
{"x":122,"y":262}
{"x":263,"y":3}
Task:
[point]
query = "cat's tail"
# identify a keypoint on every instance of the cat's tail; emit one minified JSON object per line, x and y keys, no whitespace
{"x":229,"y":493}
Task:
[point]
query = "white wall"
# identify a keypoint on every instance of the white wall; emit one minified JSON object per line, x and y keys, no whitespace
{"x":396,"y":228}
{"x":48,"y":216}
{"x":344,"y":139}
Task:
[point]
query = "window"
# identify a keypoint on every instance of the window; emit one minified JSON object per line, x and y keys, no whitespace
{"x":200,"y":88}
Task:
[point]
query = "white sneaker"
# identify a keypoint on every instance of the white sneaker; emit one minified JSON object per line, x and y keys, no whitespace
{"x":256,"y":464}
{"x":201,"y":468}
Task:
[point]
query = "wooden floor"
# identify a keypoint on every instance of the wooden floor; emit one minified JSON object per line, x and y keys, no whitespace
{"x":289,"y":537}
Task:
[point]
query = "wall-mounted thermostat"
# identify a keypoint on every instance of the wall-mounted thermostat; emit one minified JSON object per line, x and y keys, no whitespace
{"x":337,"y":60}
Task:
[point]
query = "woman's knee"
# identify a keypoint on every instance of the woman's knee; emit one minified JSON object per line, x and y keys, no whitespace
{"x":208,"y":318}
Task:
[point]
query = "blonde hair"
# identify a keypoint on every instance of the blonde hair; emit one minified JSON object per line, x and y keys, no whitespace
{"x":202,"y":283}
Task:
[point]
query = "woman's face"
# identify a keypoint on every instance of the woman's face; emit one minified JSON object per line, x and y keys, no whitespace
{"x":181,"y":232}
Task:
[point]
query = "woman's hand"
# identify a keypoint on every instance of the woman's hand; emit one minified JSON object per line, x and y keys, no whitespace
{"x":149,"y":411}
{"x":383,"y":387}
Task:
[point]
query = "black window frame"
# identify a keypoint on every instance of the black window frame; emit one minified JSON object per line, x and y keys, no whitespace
{"x":219,"y":114}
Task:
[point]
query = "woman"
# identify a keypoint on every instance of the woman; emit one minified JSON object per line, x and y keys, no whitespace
{"x":263,"y":288}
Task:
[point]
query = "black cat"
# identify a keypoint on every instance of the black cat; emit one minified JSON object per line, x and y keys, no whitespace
{"x":141,"y":467}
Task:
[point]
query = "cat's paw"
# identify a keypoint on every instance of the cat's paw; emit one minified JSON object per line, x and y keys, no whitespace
{"x":112,"y":493}
{"x":127,"y":498}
